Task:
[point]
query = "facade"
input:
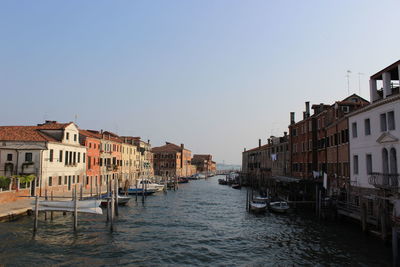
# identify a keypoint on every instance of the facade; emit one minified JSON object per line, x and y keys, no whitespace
{"x":374,"y":135}
{"x":319,"y":143}
{"x":50,"y":151}
{"x":92,"y":143}
{"x":203,"y":163}
{"x":171,"y":160}
{"x":145,"y":158}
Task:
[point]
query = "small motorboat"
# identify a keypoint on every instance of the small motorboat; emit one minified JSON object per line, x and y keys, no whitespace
{"x":260,"y":198}
{"x":85,"y":206}
{"x":258,"y":206}
{"x":139,"y":191}
{"x":222,"y":181}
{"x":279,"y":206}
{"x":122,"y":200}
{"x":183,"y":180}
{"x":236,"y":186}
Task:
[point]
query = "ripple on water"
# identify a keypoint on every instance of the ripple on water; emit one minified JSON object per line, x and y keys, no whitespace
{"x":200,"y":224}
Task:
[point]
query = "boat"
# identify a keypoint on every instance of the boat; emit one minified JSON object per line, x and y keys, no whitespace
{"x":139,"y":191}
{"x":183,"y":180}
{"x":91,"y":203}
{"x":259,"y":198}
{"x":236,"y":186}
{"x":258,"y":206}
{"x":122,"y":200}
{"x":279,"y":206}
{"x":222,"y":181}
{"x":85,"y":206}
{"x":149,"y":185}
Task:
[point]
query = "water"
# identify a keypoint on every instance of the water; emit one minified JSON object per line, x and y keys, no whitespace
{"x":201,"y":224}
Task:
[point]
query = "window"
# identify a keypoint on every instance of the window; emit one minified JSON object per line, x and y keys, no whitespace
{"x":391,"y":124}
{"x":50,"y":181}
{"x":73,"y":179}
{"x":89,"y":162}
{"x":51,"y":155}
{"x":354,"y":129}
{"x":77,"y":178}
{"x":79,"y":157}
{"x":355,"y":164}
{"x":75,"y":137}
{"x":87,"y":180}
{"x":383,"y":122}
{"x":83,"y":158}
{"x":393,"y":161}
{"x":385,"y":161}
{"x":60,"y":156}
{"x":367,"y":126}
{"x":9,"y":157}
{"x":66,"y":157}
{"x":59,"y":180}
{"x":65,"y":179}
{"x":368,"y":159}
{"x":67,"y":136}
{"x":74,"y":157}
{"x":28,"y":157}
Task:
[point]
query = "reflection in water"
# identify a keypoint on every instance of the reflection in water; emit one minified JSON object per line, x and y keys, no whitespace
{"x":201,"y":224}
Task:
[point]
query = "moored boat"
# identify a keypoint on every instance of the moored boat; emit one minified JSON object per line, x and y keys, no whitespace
{"x":139,"y":191}
{"x":122,"y":200}
{"x":279,"y":206}
{"x":236,"y":186}
{"x":258,"y":206}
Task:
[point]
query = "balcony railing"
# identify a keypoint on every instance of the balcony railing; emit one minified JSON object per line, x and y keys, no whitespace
{"x":386,"y":181}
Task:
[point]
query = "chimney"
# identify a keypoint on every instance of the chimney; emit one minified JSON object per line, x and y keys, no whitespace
{"x":182,"y":146}
{"x":292,"y":118}
{"x":244,"y":149}
{"x":101,"y":131}
{"x":307,"y":109}
{"x":284,"y":133}
{"x":387,"y":88}
{"x":304,"y":115}
{"x":148,"y":141}
{"x":259,"y":142}
{"x":269,"y":141}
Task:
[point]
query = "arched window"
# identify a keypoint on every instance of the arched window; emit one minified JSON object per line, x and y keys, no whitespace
{"x":393,"y":161}
{"x":385,"y":161}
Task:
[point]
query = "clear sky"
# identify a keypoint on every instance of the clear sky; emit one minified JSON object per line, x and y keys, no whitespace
{"x":215,"y":75}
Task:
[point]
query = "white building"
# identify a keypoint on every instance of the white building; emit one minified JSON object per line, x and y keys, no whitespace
{"x":50,"y":151}
{"x":375,"y":133}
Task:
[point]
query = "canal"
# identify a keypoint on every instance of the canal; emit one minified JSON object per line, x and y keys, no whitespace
{"x":201,"y":224}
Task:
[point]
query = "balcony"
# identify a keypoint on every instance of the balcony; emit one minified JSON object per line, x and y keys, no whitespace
{"x":386,"y":181}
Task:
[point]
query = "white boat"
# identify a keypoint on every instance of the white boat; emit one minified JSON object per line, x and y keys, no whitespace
{"x":279,"y":206}
{"x":265,"y":199}
{"x":85,"y":206}
{"x":90,"y":203}
{"x":147,"y":184}
{"x":258,"y":206}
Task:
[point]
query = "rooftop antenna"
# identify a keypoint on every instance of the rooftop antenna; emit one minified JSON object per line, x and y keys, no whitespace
{"x":359,"y":83}
{"x":76,"y":118}
{"x":348,"y":81}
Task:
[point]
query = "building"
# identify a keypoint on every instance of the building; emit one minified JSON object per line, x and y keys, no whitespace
{"x":319,"y":142}
{"x":374,"y":143}
{"x":204,"y":163}
{"x":145,"y":158}
{"x":51,"y":152}
{"x":92,"y":143}
{"x":130,"y":160}
{"x":171,"y":160}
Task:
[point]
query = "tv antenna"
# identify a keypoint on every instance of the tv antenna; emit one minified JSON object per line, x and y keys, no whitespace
{"x":348,"y":81}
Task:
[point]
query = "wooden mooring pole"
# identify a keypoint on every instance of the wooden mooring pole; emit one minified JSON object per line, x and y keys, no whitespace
{"x":75,"y":208}
{"x":112,"y":212}
{"x":51,"y":213}
{"x":45,"y":197}
{"x":116,"y":196}
{"x":35,"y":223}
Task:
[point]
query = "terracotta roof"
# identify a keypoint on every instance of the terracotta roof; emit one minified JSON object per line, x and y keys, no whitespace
{"x":24,"y":133}
{"x":90,"y":133}
{"x":53,"y":125}
{"x":202,"y":157}
{"x":169,"y":147}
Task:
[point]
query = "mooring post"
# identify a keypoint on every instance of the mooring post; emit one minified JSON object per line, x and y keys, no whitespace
{"x":112,"y":212}
{"x":116,"y":196}
{"x":45,"y":198}
{"x":51,"y":213}
{"x":35,"y":223}
{"x":75,"y":208}
{"x":81,"y":191}
{"x":142,"y":190}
